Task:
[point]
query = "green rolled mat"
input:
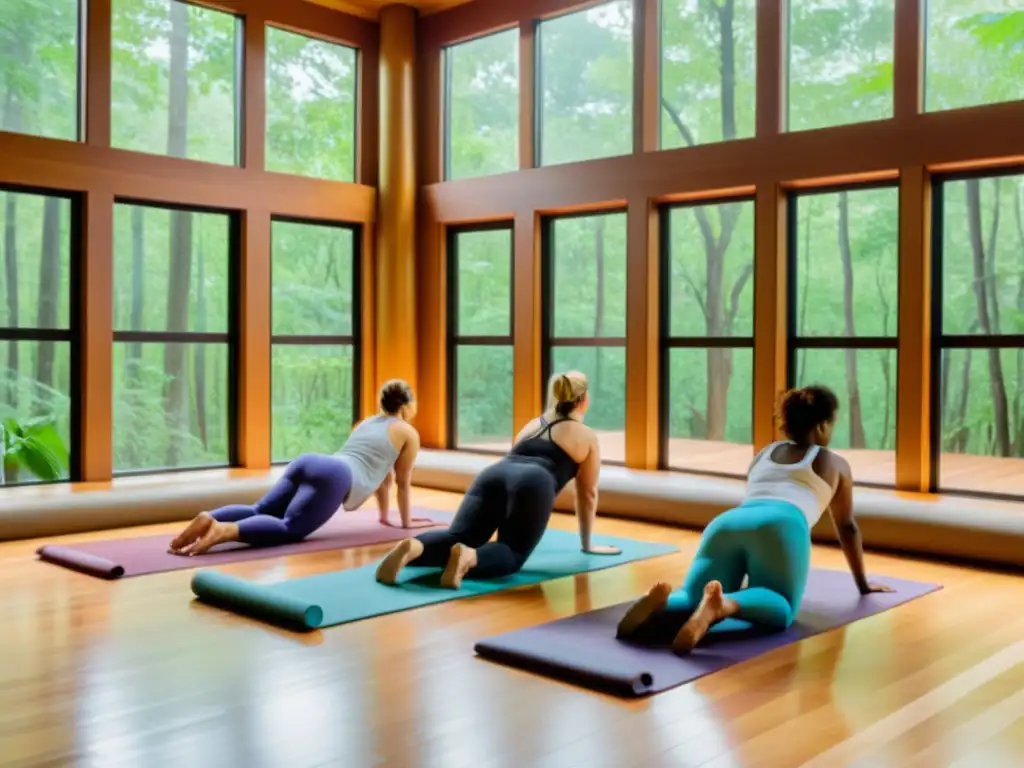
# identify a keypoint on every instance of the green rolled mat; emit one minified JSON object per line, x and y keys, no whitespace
{"x":255,"y":600}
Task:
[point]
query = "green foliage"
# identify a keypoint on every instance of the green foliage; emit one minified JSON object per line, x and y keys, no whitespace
{"x":34,"y":446}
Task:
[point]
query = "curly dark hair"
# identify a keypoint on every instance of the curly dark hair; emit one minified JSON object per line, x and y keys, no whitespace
{"x":394,"y":395}
{"x":800,"y":411}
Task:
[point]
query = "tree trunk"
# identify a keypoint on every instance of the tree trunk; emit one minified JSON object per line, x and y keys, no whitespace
{"x":200,"y":349}
{"x":599,"y":263}
{"x":886,"y":362}
{"x":852,"y":383}
{"x":12,"y":122}
{"x":176,"y":388}
{"x":49,"y":297}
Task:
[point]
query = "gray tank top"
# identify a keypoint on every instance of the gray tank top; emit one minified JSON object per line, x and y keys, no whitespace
{"x":370,"y":455}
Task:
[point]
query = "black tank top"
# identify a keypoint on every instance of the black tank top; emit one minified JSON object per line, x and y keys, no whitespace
{"x":545,"y":452}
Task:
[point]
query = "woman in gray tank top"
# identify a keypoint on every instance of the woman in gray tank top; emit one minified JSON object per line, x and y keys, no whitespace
{"x":314,"y":486}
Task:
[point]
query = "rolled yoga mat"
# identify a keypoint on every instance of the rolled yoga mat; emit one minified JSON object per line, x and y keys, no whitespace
{"x":345,"y":596}
{"x":583,"y":649}
{"x":141,"y":555}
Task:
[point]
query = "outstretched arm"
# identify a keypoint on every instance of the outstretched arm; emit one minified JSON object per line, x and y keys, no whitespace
{"x":848,"y":531}
{"x":383,"y":496}
{"x":403,"y":480}
{"x":586,"y":501}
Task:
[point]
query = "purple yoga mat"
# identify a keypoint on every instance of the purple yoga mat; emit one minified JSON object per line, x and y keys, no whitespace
{"x":122,"y":558}
{"x":583,"y":650}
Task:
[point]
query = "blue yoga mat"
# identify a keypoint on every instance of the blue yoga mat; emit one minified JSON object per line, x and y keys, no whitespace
{"x":343,"y":596}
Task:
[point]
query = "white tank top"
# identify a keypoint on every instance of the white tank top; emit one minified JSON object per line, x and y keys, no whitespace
{"x":796,"y":483}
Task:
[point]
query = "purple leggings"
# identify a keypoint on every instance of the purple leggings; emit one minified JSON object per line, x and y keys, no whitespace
{"x":311,"y":490}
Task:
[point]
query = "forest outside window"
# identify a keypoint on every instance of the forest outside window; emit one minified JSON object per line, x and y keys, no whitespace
{"x":844,"y":262}
{"x":707,"y":348}
{"x":978,"y":374}
{"x":584,"y":316}
{"x":311,"y":107}
{"x":174,"y":326}
{"x":40,"y":57}
{"x":480,"y":345}
{"x":707,"y":71}
{"x":585,"y":84}
{"x":36,"y":290}
{"x":175,"y":80}
{"x":482,"y":106}
{"x":314,"y":350}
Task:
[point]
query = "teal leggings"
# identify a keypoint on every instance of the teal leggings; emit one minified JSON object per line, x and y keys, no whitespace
{"x":768,"y":542}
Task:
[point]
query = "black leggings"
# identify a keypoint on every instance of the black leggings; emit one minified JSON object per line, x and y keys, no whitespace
{"x":513,"y":498}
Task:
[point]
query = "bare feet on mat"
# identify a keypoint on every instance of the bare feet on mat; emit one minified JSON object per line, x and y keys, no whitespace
{"x":461,"y":559}
{"x":199,"y":527}
{"x":648,"y":605}
{"x":216,"y":533}
{"x":397,"y":559}
{"x":713,"y":608}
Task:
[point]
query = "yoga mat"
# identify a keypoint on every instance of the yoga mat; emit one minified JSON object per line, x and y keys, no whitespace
{"x":141,"y":555}
{"x":350,"y":595}
{"x":583,"y":649}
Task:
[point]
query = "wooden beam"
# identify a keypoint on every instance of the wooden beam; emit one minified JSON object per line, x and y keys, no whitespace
{"x":646,"y":74}
{"x":367,"y":288}
{"x":527,"y":94}
{"x":772,"y":72}
{"x":96,"y":79}
{"x":642,"y":335}
{"x":482,"y":17}
{"x":908,"y":61}
{"x":254,"y":386}
{"x":770,"y":276}
{"x":254,"y":90}
{"x":431,"y":329}
{"x":526,"y":397}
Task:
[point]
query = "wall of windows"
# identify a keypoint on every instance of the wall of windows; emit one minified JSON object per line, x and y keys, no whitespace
{"x":480,"y":338}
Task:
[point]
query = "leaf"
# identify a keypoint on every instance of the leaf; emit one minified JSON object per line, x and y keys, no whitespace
{"x":39,"y":459}
{"x":48,"y":437}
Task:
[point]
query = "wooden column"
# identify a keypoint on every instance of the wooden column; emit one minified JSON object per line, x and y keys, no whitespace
{"x":646,"y":75}
{"x":914,"y":384}
{"x":772,"y":74}
{"x":368,"y":404}
{"x":254,"y":404}
{"x":431,"y":329}
{"x":527,"y":370}
{"x":254,"y":84}
{"x":396,"y":222}
{"x":97,"y":73}
{"x":527,"y":102}
{"x":770,"y":276}
{"x":908,"y":61}
{"x":642,"y":308}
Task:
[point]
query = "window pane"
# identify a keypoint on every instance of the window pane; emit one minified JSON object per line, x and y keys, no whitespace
{"x":483,"y":398}
{"x":710,"y":407}
{"x":484,"y":283}
{"x":982,"y":244}
{"x":588,"y":269}
{"x":311,"y":107}
{"x":35,"y":246}
{"x":586,"y":84}
{"x":171,"y":406}
{"x":313,"y":399}
{"x":39,"y":55}
{"x":865,"y":382}
{"x":35,"y":392}
{"x":174,"y":75}
{"x":847,"y":263}
{"x":711,"y":278}
{"x":171,"y":270}
{"x":605,"y":369}
{"x":312,"y":279}
{"x":840,"y":62}
{"x":483,"y":105}
{"x":708,"y":66}
{"x":982,"y":418}
{"x":974,"y":53}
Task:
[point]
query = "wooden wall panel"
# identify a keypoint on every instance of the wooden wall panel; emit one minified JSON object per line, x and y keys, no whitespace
{"x":431,"y":327}
{"x":642,"y":335}
{"x":526,"y":396}
{"x":770,"y":295}
{"x":254,"y":390}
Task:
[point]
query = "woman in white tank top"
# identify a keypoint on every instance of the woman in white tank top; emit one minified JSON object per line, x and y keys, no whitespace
{"x":766,"y":540}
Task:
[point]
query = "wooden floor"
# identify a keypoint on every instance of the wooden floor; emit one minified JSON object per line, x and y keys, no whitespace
{"x":135,"y":673}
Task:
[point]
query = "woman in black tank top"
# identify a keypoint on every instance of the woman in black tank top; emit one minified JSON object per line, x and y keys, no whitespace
{"x":513,"y":497}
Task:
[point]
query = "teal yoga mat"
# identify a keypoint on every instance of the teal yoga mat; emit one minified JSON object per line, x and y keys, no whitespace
{"x":351,"y":595}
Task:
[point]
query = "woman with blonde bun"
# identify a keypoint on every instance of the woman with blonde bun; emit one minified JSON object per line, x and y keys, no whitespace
{"x":514,"y":497}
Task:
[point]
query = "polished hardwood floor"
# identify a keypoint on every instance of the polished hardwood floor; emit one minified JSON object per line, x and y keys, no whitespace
{"x":135,"y":673}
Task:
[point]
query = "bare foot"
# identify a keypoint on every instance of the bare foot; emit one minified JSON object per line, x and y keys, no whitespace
{"x":713,"y":607}
{"x":461,"y":559}
{"x":648,"y":605}
{"x":397,"y":559}
{"x":218,"y":533}
{"x":199,"y":527}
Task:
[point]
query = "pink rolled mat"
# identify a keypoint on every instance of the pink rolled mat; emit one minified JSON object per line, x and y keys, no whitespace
{"x":140,"y":555}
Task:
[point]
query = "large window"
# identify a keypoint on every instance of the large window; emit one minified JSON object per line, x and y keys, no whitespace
{"x":844,"y":249}
{"x":707,"y":337}
{"x":585,"y":84}
{"x":39,"y":64}
{"x":480,"y":338}
{"x":315,"y":321}
{"x":840,"y":62}
{"x":311,"y":107}
{"x":707,"y":72}
{"x":974,"y":53}
{"x":174,"y":74}
{"x":35,"y":338}
{"x":979,"y":335}
{"x":173,"y":329}
{"x":482,"y":106}
{"x":584,"y":321}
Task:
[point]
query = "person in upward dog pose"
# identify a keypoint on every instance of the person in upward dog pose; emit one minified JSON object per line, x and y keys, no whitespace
{"x":315,"y":486}
{"x":515,"y":496}
{"x":767,"y":539}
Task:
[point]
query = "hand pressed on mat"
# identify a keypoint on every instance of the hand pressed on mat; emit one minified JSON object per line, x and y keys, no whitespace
{"x":602,"y":549}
